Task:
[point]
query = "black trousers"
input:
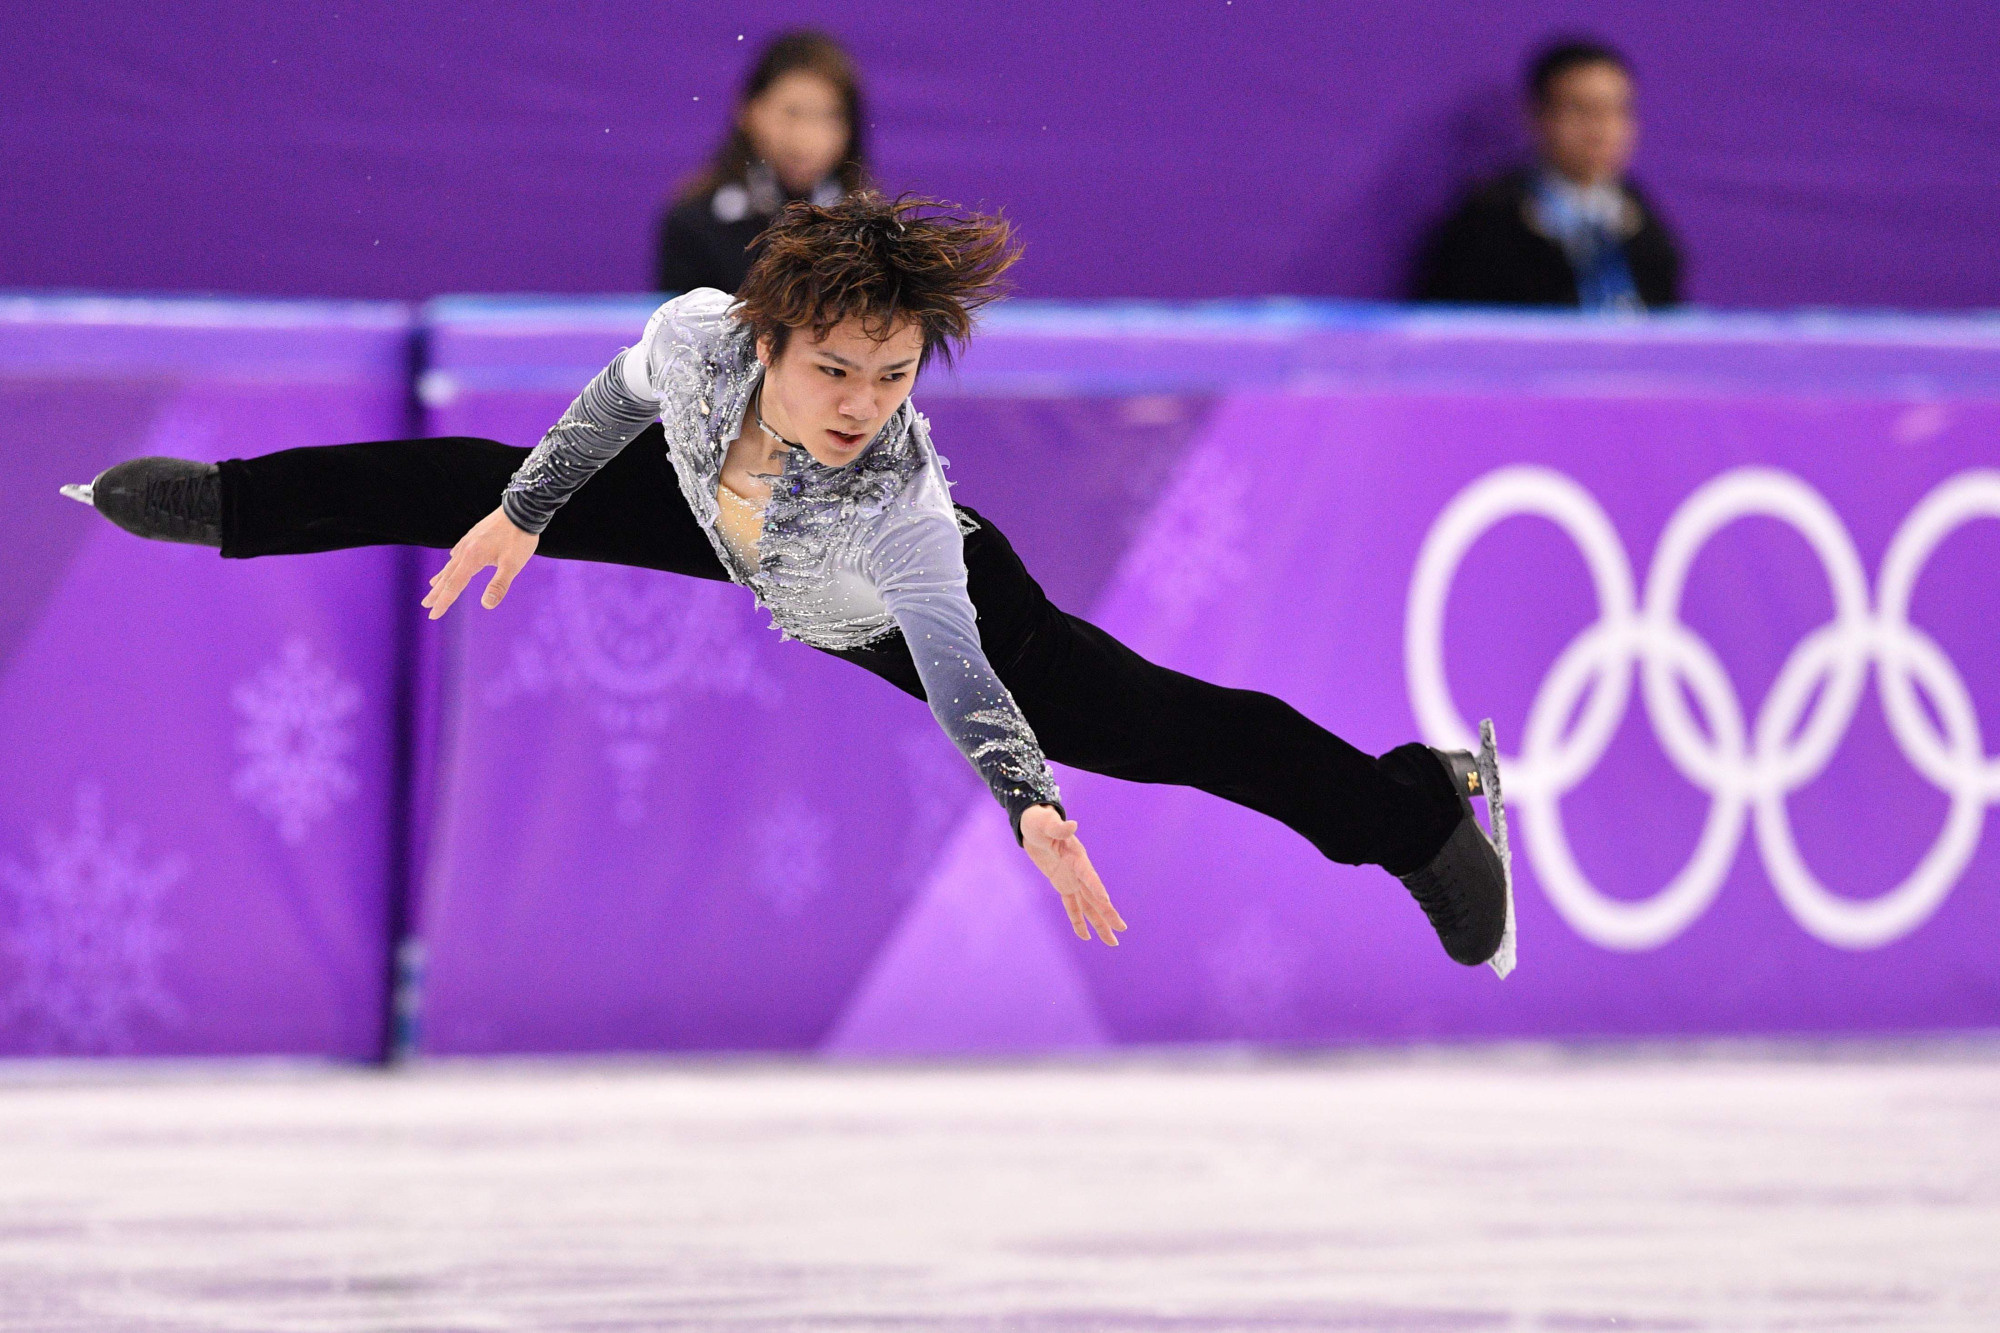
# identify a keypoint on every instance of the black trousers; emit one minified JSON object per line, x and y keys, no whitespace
{"x":1094,"y":703}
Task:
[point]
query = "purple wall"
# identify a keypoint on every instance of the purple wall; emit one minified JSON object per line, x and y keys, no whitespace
{"x":1808,"y":154}
{"x":201,"y":796}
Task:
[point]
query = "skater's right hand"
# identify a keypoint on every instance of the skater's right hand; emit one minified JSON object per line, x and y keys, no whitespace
{"x":494,"y":540}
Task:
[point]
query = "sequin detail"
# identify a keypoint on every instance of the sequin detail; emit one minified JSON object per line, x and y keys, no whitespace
{"x":605,"y":417}
{"x":1011,"y":753}
{"x":820,"y":518}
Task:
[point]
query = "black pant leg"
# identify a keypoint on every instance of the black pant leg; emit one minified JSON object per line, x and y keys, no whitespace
{"x":429,"y":492}
{"x":1097,"y":705}
{"x":1093,"y":702}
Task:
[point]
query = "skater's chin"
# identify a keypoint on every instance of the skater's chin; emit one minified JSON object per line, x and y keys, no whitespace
{"x":837,"y":448}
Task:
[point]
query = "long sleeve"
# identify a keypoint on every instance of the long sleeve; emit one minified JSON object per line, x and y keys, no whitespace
{"x":606,"y":416}
{"x":917,"y":563}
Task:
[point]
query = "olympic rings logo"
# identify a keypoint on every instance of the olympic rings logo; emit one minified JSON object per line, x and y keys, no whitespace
{"x":1748,"y":767}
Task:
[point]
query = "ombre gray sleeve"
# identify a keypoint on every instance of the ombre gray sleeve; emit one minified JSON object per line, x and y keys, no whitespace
{"x":605,"y":418}
{"x":917,"y":563}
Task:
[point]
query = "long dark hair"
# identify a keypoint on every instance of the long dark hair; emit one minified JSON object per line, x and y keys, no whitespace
{"x":801,"y":50}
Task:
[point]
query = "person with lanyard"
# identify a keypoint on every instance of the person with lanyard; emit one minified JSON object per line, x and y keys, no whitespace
{"x":769,"y":439}
{"x":1573,"y":230}
{"x":795,"y":135}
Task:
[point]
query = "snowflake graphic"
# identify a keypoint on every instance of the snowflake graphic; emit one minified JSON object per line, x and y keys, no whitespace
{"x":791,"y":862}
{"x":632,"y":645}
{"x":1191,"y":548}
{"x":296,"y":735}
{"x":1253,"y":973}
{"x":86,"y":936}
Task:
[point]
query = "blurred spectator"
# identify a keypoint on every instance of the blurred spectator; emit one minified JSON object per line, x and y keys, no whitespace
{"x":1570,"y":230}
{"x":796,"y":135}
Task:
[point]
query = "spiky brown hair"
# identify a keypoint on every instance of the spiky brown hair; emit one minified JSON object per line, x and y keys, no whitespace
{"x":881,"y":261}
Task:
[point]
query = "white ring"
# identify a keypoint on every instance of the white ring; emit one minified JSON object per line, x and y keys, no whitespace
{"x":1748,"y":771}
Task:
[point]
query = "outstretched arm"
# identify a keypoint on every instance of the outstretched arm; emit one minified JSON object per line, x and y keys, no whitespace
{"x":919,"y":569}
{"x":608,"y":415}
{"x":604,"y":418}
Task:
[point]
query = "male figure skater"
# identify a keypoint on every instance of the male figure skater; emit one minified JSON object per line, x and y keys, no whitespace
{"x":769,"y":439}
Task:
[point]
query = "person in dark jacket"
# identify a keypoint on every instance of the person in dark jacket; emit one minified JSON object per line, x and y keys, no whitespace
{"x":796,"y":135}
{"x":1572,"y":230}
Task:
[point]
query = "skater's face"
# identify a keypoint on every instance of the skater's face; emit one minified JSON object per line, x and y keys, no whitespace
{"x":1586,"y":125}
{"x":834,"y":393}
{"x":798,"y":125}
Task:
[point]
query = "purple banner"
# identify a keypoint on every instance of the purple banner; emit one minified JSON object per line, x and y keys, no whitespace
{"x":200,"y":807}
{"x":1722,"y":584}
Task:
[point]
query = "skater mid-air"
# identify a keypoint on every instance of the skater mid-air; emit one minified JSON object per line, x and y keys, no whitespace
{"x":769,"y":439}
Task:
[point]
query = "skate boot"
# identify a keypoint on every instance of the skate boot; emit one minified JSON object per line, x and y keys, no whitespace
{"x":166,"y":499}
{"x":1467,"y":889}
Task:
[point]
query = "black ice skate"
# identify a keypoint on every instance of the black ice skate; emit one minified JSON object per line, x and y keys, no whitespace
{"x":166,"y":499}
{"x":1467,"y":890}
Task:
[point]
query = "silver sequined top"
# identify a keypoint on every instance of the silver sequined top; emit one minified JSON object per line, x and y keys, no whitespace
{"x":847,"y":556}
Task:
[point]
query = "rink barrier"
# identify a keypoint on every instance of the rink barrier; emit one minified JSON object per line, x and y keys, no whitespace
{"x":202,"y":813}
{"x":946,"y":949}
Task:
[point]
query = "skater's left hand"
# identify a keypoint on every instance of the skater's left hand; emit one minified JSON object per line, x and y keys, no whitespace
{"x":1052,"y":844}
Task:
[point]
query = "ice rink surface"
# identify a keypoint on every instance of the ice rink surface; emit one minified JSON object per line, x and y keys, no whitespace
{"x":1633,"y":1189}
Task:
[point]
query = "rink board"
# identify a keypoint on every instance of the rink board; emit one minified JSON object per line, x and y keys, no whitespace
{"x":621,"y":814}
{"x":200,"y":822}
{"x":657,"y":826}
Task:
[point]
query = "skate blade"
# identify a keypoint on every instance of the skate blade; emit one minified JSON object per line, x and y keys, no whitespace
{"x":84,"y":494}
{"x":1488,"y":766}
